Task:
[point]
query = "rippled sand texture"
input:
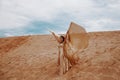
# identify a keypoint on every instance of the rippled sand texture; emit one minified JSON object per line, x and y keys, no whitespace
{"x":35,"y":58}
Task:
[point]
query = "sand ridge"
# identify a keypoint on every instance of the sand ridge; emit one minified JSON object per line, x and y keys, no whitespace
{"x":35,"y":58}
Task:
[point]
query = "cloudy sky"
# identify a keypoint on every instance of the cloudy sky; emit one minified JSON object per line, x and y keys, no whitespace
{"x":26,"y":17}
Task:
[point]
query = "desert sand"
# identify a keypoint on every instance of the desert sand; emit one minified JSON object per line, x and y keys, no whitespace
{"x":34,"y":57}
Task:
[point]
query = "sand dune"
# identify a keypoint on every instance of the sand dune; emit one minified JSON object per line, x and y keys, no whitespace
{"x":35,"y":58}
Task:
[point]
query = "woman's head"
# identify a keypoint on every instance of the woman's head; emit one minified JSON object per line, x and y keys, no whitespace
{"x":62,"y":39}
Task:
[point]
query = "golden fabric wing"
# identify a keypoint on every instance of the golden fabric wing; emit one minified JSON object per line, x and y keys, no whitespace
{"x":76,"y":37}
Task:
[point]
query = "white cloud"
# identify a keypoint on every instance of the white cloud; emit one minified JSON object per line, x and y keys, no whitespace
{"x":11,"y":21}
{"x":102,"y":24}
{"x":18,"y":13}
{"x":8,"y":34}
{"x":94,"y":13}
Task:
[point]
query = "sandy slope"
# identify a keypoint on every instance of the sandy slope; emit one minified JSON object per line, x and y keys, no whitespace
{"x":35,"y":58}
